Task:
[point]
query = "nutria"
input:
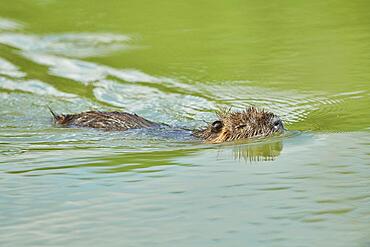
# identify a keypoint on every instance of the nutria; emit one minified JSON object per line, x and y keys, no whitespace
{"x":230,"y":126}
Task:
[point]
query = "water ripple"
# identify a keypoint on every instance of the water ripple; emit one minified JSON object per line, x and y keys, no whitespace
{"x":9,"y":69}
{"x":292,"y":106}
{"x":86,"y":72}
{"x":112,"y":85}
{"x":68,"y":44}
{"x":7,"y":24}
{"x":156,"y":104}
{"x":33,"y":86}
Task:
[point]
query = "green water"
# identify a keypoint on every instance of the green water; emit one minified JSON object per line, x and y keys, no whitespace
{"x":176,"y":62}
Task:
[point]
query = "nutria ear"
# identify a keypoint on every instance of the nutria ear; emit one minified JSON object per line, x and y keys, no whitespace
{"x":216,"y":126}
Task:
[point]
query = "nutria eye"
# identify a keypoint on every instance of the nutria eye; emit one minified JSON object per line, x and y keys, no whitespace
{"x":216,"y":126}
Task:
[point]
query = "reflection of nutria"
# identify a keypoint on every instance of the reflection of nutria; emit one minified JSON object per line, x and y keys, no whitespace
{"x":258,"y":151}
{"x":230,"y":126}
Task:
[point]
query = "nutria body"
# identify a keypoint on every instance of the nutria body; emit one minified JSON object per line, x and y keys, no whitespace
{"x":230,"y":126}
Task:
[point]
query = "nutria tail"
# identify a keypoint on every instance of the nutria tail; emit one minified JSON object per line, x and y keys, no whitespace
{"x":55,"y":116}
{"x":59,"y":118}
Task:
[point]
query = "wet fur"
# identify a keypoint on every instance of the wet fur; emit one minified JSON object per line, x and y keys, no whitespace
{"x":230,"y":126}
{"x":252,"y":122}
{"x":111,"y":121}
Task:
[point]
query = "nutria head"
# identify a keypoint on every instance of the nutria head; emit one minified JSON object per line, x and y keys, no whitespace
{"x":249,"y":123}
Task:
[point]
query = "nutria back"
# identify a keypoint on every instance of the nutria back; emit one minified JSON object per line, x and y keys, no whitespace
{"x":104,"y":120}
{"x":230,"y":125}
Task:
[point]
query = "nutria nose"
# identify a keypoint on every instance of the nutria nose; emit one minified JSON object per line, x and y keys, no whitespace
{"x":278,"y":124}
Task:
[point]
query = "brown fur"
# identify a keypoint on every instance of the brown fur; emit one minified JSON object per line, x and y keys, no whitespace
{"x":104,"y":120}
{"x":230,"y":126}
{"x":246,"y":124}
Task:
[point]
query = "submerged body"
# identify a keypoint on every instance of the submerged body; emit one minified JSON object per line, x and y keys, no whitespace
{"x":230,"y":126}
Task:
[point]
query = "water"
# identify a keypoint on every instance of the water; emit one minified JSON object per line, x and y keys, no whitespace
{"x":177,"y":62}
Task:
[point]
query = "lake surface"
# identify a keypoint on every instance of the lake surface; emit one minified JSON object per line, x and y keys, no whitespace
{"x":177,"y":62}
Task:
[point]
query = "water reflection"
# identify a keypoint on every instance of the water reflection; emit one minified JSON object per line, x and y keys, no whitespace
{"x":108,"y":162}
{"x":259,"y":151}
